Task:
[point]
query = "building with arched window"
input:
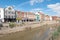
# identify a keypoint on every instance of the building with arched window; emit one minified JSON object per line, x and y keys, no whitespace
{"x":10,"y":14}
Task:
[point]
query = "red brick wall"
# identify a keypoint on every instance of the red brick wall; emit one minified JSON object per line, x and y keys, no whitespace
{"x":54,"y":17}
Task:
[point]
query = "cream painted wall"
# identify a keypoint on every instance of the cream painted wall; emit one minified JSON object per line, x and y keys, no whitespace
{"x":2,"y":14}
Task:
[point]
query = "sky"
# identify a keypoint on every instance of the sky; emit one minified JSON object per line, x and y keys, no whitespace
{"x":48,"y":7}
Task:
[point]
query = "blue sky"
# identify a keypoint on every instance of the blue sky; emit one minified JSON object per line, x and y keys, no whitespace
{"x":49,"y":7}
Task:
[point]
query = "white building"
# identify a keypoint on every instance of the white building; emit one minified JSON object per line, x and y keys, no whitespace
{"x":10,"y":14}
{"x":1,"y":14}
{"x":50,"y":18}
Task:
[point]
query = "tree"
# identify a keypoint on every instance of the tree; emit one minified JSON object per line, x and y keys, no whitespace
{"x":18,"y":19}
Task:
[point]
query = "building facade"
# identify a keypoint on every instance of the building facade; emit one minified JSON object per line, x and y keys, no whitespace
{"x":50,"y":18}
{"x":42,"y":16}
{"x":58,"y":18}
{"x":31,"y":16}
{"x":54,"y":18}
{"x":1,"y":14}
{"x":10,"y":14}
{"x":47,"y":18}
{"x":37,"y":16}
{"x":19,"y":16}
{"x":25,"y":16}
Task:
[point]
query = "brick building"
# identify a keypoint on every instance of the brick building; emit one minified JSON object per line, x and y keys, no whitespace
{"x":54,"y":17}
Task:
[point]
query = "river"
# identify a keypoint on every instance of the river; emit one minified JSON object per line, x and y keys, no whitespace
{"x":34,"y":34}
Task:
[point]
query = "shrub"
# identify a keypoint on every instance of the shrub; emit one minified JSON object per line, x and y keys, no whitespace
{"x":12,"y":25}
{"x":55,"y":34}
{"x":1,"y":25}
{"x":58,"y":29}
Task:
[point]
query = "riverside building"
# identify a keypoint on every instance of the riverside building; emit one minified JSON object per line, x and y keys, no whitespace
{"x":10,"y":14}
{"x":1,"y":14}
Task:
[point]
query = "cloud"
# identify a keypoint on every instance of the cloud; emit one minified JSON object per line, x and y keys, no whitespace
{"x":32,"y":2}
{"x":36,"y":10}
{"x":35,"y":1}
{"x":55,"y":8}
{"x":22,"y":4}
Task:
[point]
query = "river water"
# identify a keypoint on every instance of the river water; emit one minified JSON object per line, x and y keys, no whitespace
{"x":27,"y":35}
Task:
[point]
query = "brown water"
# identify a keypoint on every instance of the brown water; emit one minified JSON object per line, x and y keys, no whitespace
{"x":34,"y":34}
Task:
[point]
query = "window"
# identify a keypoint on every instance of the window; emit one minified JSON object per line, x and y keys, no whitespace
{"x":12,"y":12}
{"x":6,"y":16}
{"x":9,"y":12}
{"x":12,"y":16}
{"x":9,"y":16}
{"x":9,"y":8}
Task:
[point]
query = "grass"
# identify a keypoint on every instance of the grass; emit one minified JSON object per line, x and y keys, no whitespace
{"x":58,"y":29}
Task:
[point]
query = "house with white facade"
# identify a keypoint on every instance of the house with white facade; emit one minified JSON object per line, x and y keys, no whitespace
{"x":50,"y":18}
{"x":10,"y":14}
{"x":1,"y":14}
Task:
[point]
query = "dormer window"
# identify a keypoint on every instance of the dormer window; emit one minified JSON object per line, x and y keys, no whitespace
{"x":9,"y":12}
{"x":9,"y":8}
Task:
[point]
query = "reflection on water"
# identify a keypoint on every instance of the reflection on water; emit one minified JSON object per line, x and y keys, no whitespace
{"x":38,"y":36}
{"x":28,"y":35}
